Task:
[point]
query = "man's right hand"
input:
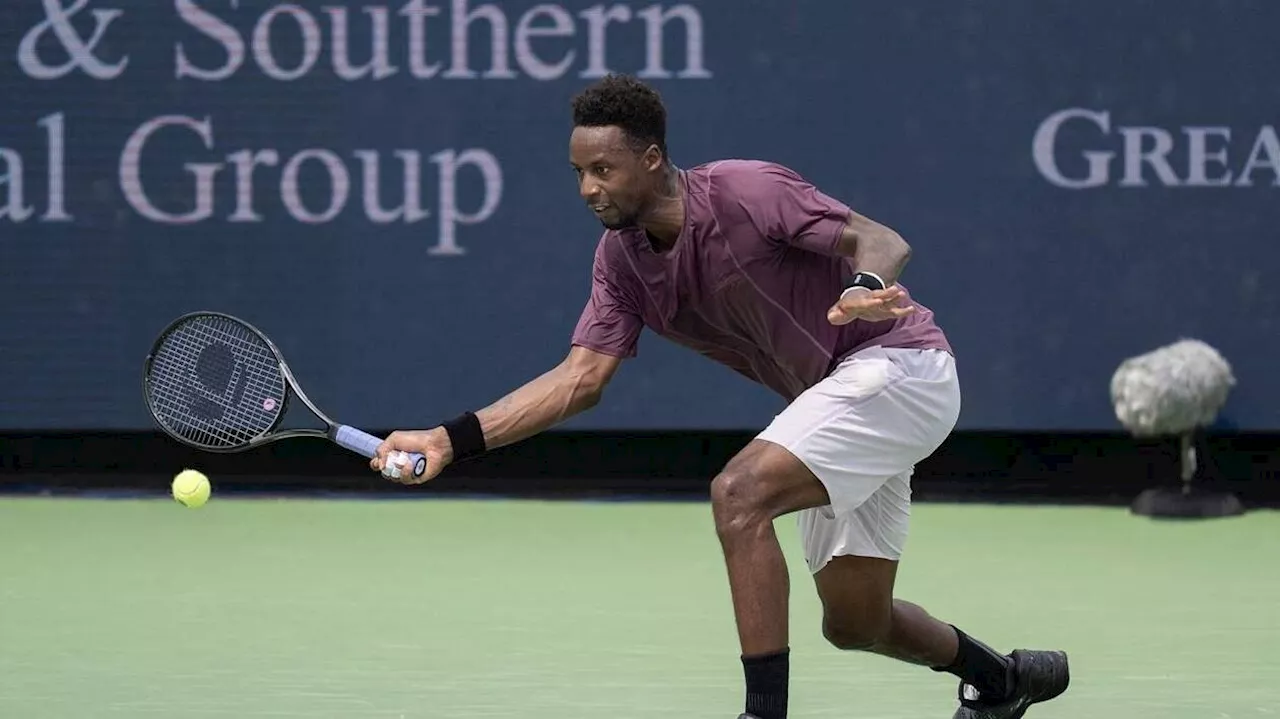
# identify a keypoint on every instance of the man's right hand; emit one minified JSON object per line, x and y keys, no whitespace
{"x":430,"y":443}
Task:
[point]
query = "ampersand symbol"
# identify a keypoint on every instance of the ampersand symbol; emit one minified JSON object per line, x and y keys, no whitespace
{"x":79,"y":51}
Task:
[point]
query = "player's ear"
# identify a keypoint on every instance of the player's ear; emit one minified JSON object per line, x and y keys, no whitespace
{"x":652,"y":158}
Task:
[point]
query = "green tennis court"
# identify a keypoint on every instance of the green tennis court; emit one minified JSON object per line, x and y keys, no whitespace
{"x":456,"y":609}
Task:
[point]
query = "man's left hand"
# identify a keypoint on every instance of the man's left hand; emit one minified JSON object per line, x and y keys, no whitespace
{"x":869,"y":305}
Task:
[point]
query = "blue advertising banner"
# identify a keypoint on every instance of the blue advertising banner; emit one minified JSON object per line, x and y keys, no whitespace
{"x":384,"y":189}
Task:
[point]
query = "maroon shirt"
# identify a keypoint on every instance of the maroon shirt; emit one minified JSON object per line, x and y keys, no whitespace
{"x":747,"y":284}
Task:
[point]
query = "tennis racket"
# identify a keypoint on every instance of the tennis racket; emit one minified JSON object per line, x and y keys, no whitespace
{"x":216,"y":383}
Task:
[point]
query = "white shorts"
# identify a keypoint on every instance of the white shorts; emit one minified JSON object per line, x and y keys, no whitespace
{"x":861,"y":431}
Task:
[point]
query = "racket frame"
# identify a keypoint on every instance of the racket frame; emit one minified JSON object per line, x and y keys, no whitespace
{"x":292,"y":388}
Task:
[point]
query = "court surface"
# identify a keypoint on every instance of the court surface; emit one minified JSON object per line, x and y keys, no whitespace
{"x":459,"y":609}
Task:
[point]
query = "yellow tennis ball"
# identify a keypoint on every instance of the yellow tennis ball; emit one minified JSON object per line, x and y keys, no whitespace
{"x":191,"y":488}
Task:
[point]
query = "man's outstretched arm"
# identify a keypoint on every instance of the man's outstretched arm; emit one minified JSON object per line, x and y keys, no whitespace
{"x":571,"y":387}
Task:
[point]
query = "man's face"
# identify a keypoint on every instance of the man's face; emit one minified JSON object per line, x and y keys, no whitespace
{"x":616,"y":181}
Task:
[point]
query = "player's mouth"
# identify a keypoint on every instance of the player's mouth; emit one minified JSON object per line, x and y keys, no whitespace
{"x":600,"y":209}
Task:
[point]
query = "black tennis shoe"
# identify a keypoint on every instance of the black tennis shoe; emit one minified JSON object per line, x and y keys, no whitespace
{"x":1036,"y":676}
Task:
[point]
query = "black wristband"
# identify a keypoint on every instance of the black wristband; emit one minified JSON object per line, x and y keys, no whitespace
{"x":466,"y":436}
{"x":869,"y":280}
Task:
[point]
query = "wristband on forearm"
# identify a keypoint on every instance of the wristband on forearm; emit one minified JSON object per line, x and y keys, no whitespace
{"x":865,"y":280}
{"x":466,"y":436}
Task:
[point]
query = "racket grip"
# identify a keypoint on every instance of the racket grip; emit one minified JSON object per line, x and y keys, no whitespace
{"x":367,"y":445}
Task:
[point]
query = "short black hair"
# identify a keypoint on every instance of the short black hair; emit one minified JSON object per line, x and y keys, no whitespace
{"x":628,"y":103}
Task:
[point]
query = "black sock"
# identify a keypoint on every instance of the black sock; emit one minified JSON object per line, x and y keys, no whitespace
{"x":980,"y":665}
{"x":767,"y":677}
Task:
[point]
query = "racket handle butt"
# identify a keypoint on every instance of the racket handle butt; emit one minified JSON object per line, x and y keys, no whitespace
{"x":366,"y":444}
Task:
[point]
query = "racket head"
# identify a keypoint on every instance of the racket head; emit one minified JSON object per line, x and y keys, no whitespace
{"x":215,"y":382}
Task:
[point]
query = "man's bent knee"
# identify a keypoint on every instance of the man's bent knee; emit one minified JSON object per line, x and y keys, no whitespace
{"x":860,"y":636}
{"x":739,"y":503}
{"x":763,"y":482}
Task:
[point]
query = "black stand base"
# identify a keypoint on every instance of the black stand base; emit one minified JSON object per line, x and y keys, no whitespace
{"x":1197,"y":504}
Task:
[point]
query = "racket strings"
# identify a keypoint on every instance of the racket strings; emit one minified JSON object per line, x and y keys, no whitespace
{"x":216,"y":383}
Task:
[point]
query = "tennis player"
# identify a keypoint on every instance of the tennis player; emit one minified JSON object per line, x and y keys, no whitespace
{"x":750,"y":265}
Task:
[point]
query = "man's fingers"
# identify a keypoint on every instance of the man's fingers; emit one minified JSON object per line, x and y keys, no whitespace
{"x":890,"y":294}
{"x":839,"y":315}
{"x":850,"y":308}
{"x":406,"y":475}
{"x":884,"y":298}
{"x":873,"y":305}
{"x":875,"y":298}
{"x":379,"y":461}
{"x":395,"y":466}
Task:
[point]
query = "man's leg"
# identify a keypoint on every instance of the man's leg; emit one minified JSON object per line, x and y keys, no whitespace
{"x":860,"y":614}
{"x":854,"y":558}
{"x":838,"y":427}
{"x":860,"y":432}
{"x":762,"y":483}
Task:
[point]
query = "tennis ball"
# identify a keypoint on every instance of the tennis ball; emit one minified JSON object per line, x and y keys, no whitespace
{"x":191,"y":488}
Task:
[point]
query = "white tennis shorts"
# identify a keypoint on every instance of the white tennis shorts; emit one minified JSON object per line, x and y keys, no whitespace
{"x":861,"y":431}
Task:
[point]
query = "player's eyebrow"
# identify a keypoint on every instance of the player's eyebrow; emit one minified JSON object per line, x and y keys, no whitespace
{"x":600,"y":159}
